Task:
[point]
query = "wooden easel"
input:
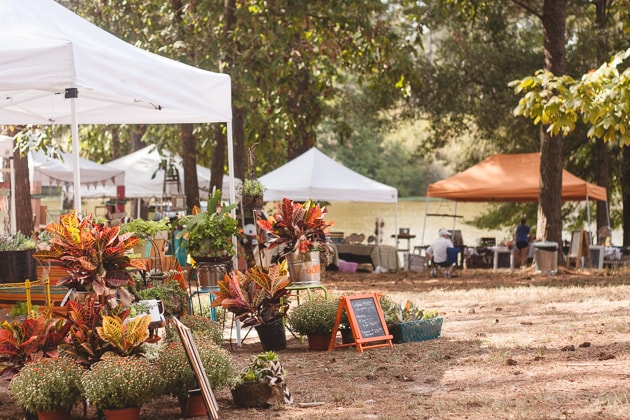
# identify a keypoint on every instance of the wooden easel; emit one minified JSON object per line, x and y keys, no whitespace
{"x":367,"y":322}
{"x":580,"y":242}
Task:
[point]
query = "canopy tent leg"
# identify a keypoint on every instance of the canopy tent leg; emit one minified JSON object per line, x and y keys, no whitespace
{"x":230,"y":140}
{"x":455,"y":215}
{"x":73,"y":94}
{"x":424,"y":226}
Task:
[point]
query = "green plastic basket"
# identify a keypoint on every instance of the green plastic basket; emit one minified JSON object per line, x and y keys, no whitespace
{"x":419,"y":330}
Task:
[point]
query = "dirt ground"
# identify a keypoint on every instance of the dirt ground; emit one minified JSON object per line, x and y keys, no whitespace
{"x":514,"y":345}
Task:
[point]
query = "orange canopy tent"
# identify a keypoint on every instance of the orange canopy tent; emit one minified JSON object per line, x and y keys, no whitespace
{"x":510,"y":177}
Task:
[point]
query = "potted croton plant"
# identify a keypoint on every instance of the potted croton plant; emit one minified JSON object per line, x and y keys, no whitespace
{"x":92,"y":253}
{"x":299,"y":231}
{"x":258,"y":298}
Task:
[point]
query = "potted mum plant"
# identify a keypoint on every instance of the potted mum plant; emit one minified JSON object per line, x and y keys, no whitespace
{"x":92,"y":253}
{"x":262,"y":383}
{"x":49,"y":387}
{"x":314,"y":319}
{"x":258,"y":298}
{"x":299,"y":231}
{"x":180,"y":378}
{"x":122,"y":383}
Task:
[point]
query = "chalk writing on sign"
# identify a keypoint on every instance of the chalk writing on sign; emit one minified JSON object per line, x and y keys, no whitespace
{"x":367,"y":317}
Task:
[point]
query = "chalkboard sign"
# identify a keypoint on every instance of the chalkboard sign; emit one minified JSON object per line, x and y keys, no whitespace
{"x":366,"y":320}
{"x":367,"y":317}
{"x":580,"y":241}
{"x":197,"y":366}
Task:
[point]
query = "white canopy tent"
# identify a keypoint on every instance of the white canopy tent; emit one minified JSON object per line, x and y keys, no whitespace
{"x":58,"y":68}
{"x":316,"y":176}
{"x":313,"y":175}
{"x":140,"y":167}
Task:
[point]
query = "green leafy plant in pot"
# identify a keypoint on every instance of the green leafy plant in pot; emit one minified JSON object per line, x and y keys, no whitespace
{"x":208,"y":234}
{"x":262,"y":383}
{"x":315,"y":319}
{"x":48,"y":385}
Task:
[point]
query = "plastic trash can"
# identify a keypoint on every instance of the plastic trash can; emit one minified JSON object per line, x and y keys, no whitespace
{"x":546,"y":257}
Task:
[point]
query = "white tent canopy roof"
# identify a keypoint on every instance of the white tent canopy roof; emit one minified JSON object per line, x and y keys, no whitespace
{"x":139,"y":168}
{"x":58,"y":68}
{"x":59,"y":172}
{"x":313,"y":175}
{"x":45,"y":49}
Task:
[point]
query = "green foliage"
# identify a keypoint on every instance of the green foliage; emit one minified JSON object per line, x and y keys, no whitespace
{"x":252,"y":187}
{"x":394,"y":312}
{"x":173,"y":297}
{"x":203,"y":326}
{"x":179,"y":376}
{"x":16,"y":242}
{"x":259,"y":367}
{"x":146,"y":228}
{"x":47,"y":385}
{"x":21,"y":308}
{"x":122,"y":382}
{"x":315,"y":317}
{"x":209,"y":233}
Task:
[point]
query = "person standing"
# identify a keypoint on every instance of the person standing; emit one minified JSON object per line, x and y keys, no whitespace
{"x":522,"y":237}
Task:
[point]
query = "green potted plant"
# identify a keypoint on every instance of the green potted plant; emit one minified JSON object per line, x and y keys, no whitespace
{"x":299,"y":231}
{"x":314,"y":319}
{"x":252,"y":191}
{"x":155,"y":230}
{"x":180,"y":378}
{"x":122,"y":383}
{"x":16,"y":258}
{"x":258,"y":298}
{"x":408,"y":322}
{"x":174,"y":298}
{"x":92,"y":253}
{"x":48,"y":385}
{"x":262,"y":383}
{"x":208,"y":234}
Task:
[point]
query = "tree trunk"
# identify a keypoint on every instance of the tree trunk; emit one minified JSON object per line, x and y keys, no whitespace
{"x":625,"y":194}
{"x":550,"y":200}
{"x":24,"y":208}
{"x":602,"y":165}
{"x":137,"y":132}
{"x":218,"y":160}
{"x":189,"y":162}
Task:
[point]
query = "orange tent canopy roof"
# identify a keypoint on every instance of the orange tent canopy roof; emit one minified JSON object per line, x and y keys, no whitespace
{"x":510,"y":177}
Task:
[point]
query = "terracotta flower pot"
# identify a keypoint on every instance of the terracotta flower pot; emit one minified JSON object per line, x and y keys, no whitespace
{"x":318,"y":342}
{"x":132,"y":413}
{"x":53,"y":415}
{"x":192,"y":406}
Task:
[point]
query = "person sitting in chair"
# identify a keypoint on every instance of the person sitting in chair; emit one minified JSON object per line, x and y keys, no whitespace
{"x":438,"y":249}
